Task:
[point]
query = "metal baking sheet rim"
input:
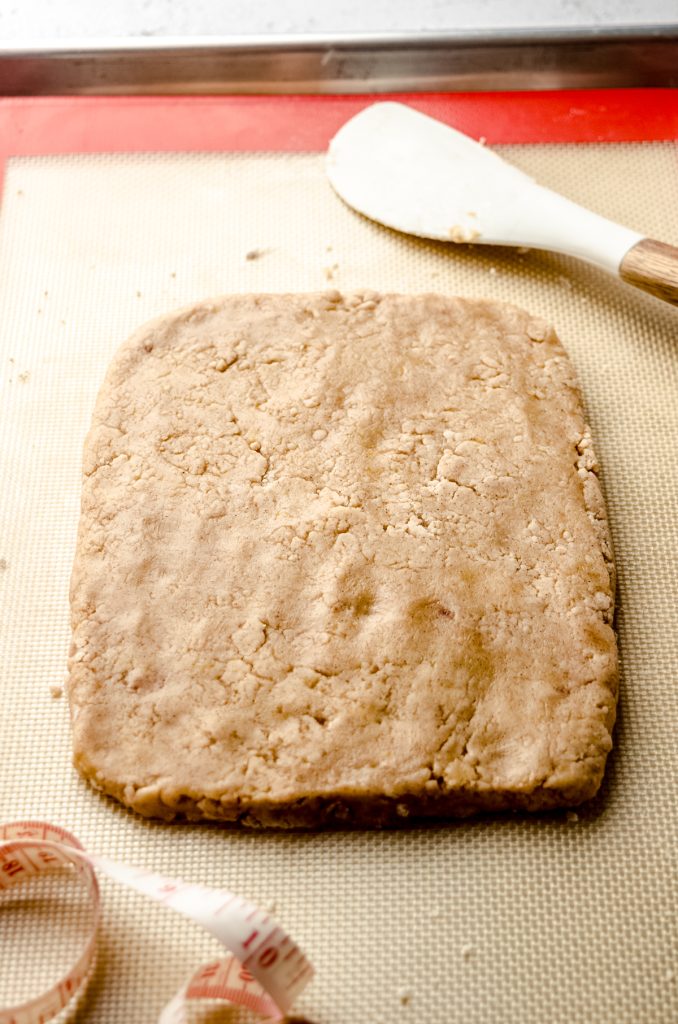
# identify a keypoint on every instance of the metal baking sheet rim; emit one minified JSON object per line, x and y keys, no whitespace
{"x":469,"y":60}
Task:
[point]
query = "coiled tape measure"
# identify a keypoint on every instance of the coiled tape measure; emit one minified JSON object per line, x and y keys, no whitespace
{"x":263,"y":969}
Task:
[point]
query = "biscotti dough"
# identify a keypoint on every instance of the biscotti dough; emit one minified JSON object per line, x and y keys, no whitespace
{"x":341,"y":558}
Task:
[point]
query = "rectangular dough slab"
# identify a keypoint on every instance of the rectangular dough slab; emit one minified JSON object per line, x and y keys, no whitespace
{"x":342,"y":559}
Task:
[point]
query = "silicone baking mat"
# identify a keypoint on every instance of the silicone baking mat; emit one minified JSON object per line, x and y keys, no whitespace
{"x":561,"y":918}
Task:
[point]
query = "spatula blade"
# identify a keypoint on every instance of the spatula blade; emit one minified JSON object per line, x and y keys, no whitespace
{"x":413,"y":173}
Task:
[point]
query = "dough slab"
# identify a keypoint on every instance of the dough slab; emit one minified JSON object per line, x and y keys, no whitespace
{"x":342,"y":559}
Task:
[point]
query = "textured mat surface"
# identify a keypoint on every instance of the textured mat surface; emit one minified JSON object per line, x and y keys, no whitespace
{"x":514,"y":919}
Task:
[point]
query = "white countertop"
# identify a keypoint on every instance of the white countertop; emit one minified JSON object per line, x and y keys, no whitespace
{"x":55,"y":19}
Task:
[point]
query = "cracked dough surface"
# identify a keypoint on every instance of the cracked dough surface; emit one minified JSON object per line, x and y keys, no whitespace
{"x":341,"y":558}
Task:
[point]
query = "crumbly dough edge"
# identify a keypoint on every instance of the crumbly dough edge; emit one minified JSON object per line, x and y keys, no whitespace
{"x":351,"y":809}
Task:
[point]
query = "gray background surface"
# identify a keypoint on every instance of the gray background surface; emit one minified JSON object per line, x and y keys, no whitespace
{"x":58,"y":19}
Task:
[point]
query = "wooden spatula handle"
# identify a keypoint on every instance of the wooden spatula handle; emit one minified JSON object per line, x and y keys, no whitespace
{"x":652,"y":266}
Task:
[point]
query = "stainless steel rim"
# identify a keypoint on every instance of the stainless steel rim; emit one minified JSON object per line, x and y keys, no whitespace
{"x":472,"y":60}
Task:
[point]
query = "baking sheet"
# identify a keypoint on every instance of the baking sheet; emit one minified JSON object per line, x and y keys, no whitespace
{"x":513,"y":919}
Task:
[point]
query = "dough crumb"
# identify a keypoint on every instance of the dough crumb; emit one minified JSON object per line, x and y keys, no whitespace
{"x":222,"y":364}
{"x":459,"y":234}
{"x":482,"y":140}
{"x":522,"y":249}
{"x":571,"y":817}
{"x":404,"y":997}
{"x":330,"y":271}
{"x":3,"y":564}
{"x":255,"y":254}
{"x":537,"y":330}
{"x":56,"y":692}
{"x":467,"y":952}
{"x":23,"y":377}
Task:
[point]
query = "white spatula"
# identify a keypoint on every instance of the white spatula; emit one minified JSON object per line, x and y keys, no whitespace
{"x":413,"y":173}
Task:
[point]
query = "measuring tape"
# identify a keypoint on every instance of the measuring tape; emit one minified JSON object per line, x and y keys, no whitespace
{"x":264,"y":970}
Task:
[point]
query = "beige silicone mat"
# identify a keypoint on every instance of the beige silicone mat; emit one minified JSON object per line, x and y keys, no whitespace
{"x":551,"y":920}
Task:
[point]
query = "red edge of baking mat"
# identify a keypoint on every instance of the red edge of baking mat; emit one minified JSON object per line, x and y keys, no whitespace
{"x":46,"y":125}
